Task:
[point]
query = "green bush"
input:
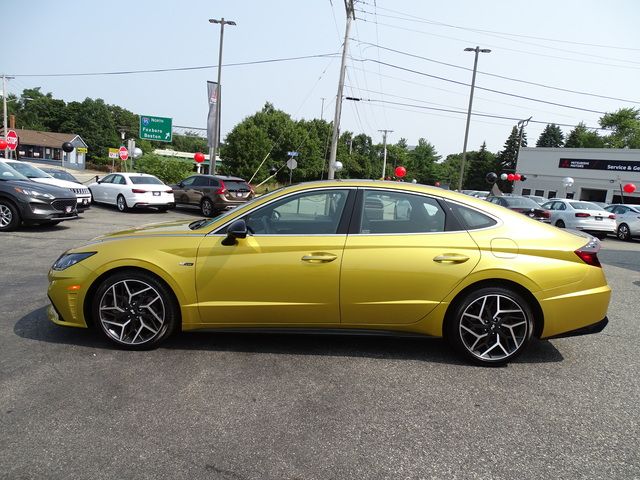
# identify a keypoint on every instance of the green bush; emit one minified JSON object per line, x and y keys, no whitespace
{"x":169,"y":170}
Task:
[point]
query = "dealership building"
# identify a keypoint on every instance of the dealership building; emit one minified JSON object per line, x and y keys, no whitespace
{"x":598,"y":174}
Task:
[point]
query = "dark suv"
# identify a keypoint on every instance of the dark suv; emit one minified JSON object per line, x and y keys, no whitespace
{"x":212,"y":193}
{"x":22,"y":200}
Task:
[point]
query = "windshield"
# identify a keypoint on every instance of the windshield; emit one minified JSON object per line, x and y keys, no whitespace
{"x":518,"y":202}
{"x":145,"y":180}
{"x":8,"y":173}
{"x":29,"y":170}
{"x":585,"y":206}
{"x":62,"y":175}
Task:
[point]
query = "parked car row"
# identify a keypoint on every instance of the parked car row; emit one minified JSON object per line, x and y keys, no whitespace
{"x":212,"y":194}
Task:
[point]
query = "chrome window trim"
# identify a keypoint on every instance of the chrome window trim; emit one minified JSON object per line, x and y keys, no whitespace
{"x":337,"y":187}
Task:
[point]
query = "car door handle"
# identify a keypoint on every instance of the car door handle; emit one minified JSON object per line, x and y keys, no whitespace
{"x":319,"y":258}
{"x":451,"y":258}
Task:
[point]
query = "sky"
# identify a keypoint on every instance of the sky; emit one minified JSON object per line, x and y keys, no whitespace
{"x":406,"y":61}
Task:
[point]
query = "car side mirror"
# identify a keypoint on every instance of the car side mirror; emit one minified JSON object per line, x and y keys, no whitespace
{"x":237,"y":229}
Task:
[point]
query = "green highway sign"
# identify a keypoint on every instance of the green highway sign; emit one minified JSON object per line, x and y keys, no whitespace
{"x":155,"y":128}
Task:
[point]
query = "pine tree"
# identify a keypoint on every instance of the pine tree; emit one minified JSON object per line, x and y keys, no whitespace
{"x":551,"y":136}
{"x":580,"y":137}
{"x":480,"y":163}
{"x":506,"y":159}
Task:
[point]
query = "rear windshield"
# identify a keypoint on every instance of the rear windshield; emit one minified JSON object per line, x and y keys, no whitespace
{"x":236,"y":185}
{"x":585,"y":206}
{"x":520,"y":202}
{"x":145,"y":180}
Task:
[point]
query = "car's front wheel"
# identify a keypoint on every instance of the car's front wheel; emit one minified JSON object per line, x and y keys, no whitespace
{"x":623,"y":232}
{"x":9,"y":216}
{"x":135,"y":310}
{"x":490,"y":326}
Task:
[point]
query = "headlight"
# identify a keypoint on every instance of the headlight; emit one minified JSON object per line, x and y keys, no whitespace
{"x":33,"y":193}
{"x":66,"y":260}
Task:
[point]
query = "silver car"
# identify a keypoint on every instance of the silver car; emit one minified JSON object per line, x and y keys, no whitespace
{"x":627,"y":220}
{"x":581,"y":215}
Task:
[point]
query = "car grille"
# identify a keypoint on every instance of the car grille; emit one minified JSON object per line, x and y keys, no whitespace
{"x":62,"y":205}
{"x":80,"y":191}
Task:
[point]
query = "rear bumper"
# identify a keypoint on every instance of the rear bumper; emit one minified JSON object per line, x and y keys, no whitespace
{"x":588,"y":330}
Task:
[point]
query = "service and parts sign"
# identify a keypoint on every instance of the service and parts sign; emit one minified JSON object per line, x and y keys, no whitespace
{"x":610,"y":165}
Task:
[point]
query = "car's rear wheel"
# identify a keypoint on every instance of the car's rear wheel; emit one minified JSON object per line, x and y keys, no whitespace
{"x":9,"y":216}
{"x":490,"y":326}
{"x":560,"y":224}
{"x":121,"y":203}
{"x":623,"y":232}
{"x":135,"y":310}
{"x":206,"y":207}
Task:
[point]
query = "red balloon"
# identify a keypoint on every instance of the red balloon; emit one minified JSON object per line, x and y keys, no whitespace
{"x":629,"y":188}
{"x":3,"y":144}
{"x":199,"y":157}
{"x":511,"y":177}
{"x":401,"y":171}
{"x":517,"y":177}
{"x":437,"y":184}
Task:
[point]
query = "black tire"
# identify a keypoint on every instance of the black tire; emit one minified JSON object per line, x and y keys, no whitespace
{"x":135,"y":327}
{"x":121,"y":203}
{"x":482,"y":341}
{"x":623,"y":233}
{"x":206,"y":207}
{"x":560,"y":224}
{"x":9,"y":216}
{"x":600,"y":236}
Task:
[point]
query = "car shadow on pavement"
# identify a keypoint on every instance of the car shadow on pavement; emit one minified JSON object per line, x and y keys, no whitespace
{"x":36,"y":326}
{"x":190,"y":212}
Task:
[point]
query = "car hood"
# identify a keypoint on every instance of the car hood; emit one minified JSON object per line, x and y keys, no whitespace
{"x":57,"y":192}
{"x":169,"y":229}
{"x":59,"y":183}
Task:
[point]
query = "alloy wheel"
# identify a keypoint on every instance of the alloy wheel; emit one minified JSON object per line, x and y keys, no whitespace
{"x":623,"y":232}
{"x":493,"y":327}
{"x":207,"y":208}
{"x":132,"y":312}
{"x":6,"y":216}
{"x":122,"y":203}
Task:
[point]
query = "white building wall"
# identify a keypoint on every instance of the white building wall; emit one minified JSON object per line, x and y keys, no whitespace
{"x":598,"y":173}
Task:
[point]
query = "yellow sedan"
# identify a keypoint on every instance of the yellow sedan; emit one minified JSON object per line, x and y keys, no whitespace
{"x":341,"y":256}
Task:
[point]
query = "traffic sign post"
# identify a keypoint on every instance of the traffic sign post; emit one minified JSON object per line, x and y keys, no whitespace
{"x":12,"y":140}
{"x":155,"y":128}
{"x":292,"y":163}
{"x":123,"y":153}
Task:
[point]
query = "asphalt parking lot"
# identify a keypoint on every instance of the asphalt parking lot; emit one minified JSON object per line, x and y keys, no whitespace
{"x":248,"y":406}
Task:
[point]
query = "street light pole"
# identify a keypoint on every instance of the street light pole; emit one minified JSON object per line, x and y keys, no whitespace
{"x":477,"y":50}
{"x":348,"y":4}
{"x":384,"y":155}
{"x":213,"y":151}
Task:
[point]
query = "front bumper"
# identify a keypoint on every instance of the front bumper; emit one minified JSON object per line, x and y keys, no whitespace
{"x":588,"y":330}
{"x":41,"y":211}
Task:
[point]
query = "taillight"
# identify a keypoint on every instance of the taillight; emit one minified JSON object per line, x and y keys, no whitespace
{"x":137,"y":190}
{"x":222,"y":189}
{"x":582,"y":215}
{"x":612,"y":216}
{"x":589,"y":253}
{"x":546,"y":214}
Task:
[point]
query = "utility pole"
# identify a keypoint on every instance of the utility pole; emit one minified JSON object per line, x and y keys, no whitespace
{"x":213,"y":151}
{"x":351,"y":15}
{"x":521,"y":125}
{"x":384,"y":155}
{"x":466,"y":131}
{"x":322,"y":108}
{"x":4,"y":110}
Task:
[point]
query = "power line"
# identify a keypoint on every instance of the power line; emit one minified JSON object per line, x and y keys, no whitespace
{"x":577,"y":92}
{"x":176,"y":69}
{"x":476,"y":114}
{"x":434,"y":22}
{"x":500,"y":92}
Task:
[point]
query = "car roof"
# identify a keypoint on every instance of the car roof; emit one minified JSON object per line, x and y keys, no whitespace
{"x":220,"y":177}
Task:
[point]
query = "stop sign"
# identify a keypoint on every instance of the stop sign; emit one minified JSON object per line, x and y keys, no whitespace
{"x":12,"y":140}
{"x":124,"y":153}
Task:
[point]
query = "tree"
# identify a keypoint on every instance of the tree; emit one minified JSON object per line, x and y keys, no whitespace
{"x":35,"y":110}
{"x":479,"y":164}
{"x":93,"y":120}
{"x":421,"y":163}
{"x":448,"y":171}
{"x":581,"y":137}
{"x":625,"y":128}
{"x":551,"y":136}
{"x":507,"y":157}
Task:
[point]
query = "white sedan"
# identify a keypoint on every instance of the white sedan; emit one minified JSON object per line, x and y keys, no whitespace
{"x":628,"y":220}
{"x":132,"y":190}
{"x":581,"y":215}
